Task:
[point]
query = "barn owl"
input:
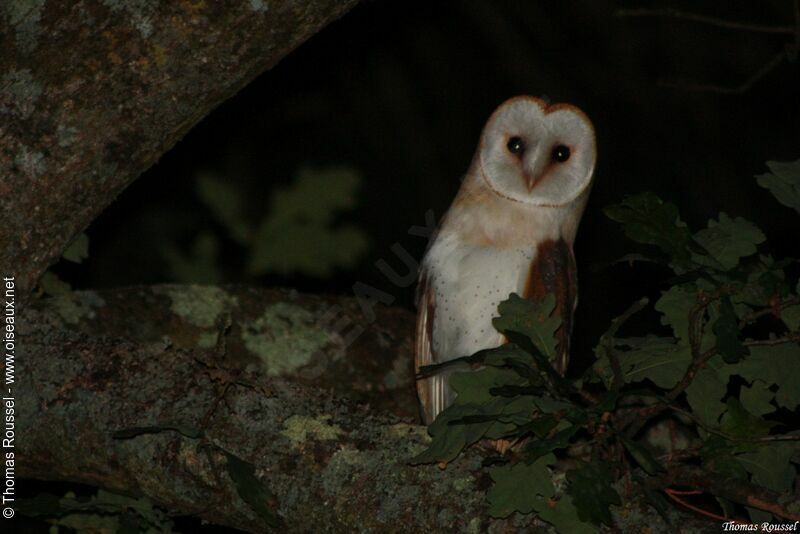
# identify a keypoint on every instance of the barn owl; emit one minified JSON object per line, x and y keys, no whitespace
{"x":509,"y":229}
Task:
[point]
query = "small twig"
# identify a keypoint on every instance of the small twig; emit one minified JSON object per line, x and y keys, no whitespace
{"x":775,"y":310}
{"x":695,"y":338}
{"x":680,"y":455}
{"x":673,"y":494}
{"x":789,"y":52}
{"x":699,"y":360}
{"x":588,"y":397}
{"x":722,"y":89}
{"x":704,"y":19}
{"x":738,"y":491}
{"x":616,"y":368}
{"x":790,"y":338}
{"x":608,"y":341}
{"x":712,"y":430}
{"x":691,"y":372}
{"x":684,"y":383}
{"x":685,"y":492}
{"x":556,"y":384}
{"x":797,"y":25}
{"x":696,"y":316}
{"x":633,"y":309}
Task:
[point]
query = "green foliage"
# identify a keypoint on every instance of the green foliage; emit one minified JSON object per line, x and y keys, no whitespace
{"x":78,"y":250}
{"x":592,"y":493}
{"x":532,"y":319}
{"x":660,"y":360}
{"x":128,"y":433}
{"x":771,"y":466}
{"x":783,"y":181}
{"x":252,"y":490}
{"x":505,"y":400}
{"x":739,"y":423}
{"x":226,"y":203}
{"x":726,"y":241}
{"x":675,"y":305}
{"x":466,"y":421}
{"x":649,"y":220}
{"x":726,"y":373}
{"x":201,"y":265}
{"x":775,"y":366}
{"x":727,"y":291}
{"x":726,"y":329}
{"x":791,"y":316}
{"x":642,"y":455}
{"x":299,"y":233}
{"x":563,"y":514}
{"x":521,"y":487}
{"x":103,"y":512}
{"x":527,"y":488}
{"x":707,"y":390}
{"x":51,"y":284}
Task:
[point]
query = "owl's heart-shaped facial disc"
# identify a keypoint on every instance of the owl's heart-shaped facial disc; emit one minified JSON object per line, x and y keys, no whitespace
{"x":537,"y":154}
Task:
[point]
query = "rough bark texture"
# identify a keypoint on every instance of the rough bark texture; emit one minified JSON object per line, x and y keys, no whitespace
{"x":92,"y":92}
{"x":91,"y":364}
{"x":196,"y":378}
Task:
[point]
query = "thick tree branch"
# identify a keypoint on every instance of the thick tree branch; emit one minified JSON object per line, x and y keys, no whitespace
{"x":94,"y":364}
{"x":93,"y":92}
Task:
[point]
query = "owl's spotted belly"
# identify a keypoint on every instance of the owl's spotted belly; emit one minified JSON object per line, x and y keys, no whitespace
{"x":468,"y":285}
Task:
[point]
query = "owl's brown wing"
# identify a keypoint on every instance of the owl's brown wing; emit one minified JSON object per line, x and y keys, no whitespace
{"x":430,"y":390}
{"x":553,"y":271}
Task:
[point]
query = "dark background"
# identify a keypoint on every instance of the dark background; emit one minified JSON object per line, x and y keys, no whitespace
{"x":399,"y":91}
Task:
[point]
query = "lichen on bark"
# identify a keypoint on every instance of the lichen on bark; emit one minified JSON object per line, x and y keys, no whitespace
{"x":116,"y":403}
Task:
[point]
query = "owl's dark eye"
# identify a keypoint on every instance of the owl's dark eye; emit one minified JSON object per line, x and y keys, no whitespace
{"x":516,"y":145}
{"x":560,"y":153}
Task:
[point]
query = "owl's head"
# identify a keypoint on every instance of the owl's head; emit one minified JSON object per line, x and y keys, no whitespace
{"x":538,"y":154}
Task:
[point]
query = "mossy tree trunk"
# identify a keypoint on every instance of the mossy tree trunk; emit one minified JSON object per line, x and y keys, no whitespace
{"x":92,"y":92}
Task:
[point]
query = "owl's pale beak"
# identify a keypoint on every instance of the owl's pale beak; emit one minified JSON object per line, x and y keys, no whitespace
{"x":530,"y":181}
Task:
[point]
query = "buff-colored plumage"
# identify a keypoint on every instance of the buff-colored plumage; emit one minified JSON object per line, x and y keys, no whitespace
{"x":509,"y":229}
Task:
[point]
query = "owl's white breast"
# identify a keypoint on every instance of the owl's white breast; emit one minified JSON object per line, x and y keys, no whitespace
{"x":482,"y":253}
{"x":468,"y":283}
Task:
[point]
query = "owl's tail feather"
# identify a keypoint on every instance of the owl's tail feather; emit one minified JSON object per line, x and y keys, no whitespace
{"x":441,"y":396}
